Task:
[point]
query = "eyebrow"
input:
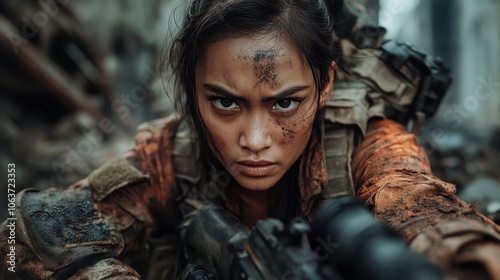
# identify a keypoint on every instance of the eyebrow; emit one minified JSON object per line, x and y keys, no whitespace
{"x":282,"y":94}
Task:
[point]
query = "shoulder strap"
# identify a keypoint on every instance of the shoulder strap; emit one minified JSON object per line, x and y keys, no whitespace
{"x":344,"y":124}
{"x":188,"y":170}
{"x":186,"y":156}
{"x":338,"y":143}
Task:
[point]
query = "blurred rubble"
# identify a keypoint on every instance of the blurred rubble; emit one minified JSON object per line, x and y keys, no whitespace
{"x":67,"y":104}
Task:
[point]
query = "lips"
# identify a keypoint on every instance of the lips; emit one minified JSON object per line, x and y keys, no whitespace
{"x":256,"y":168}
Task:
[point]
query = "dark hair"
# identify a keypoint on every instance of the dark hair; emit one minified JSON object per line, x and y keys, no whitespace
{"x":307,"y":24}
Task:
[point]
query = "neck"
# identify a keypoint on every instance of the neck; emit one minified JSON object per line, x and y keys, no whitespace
{"x":256,"y":205}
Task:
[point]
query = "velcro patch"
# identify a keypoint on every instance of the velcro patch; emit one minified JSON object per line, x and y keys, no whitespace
{"x":113,"y":175}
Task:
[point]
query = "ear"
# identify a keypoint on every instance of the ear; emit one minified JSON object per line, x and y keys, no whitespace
{"x":327,"y":91}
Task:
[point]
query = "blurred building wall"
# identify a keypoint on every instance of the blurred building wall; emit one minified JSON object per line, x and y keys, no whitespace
{"x":132,"y":35}
{"x":466,"y":35}
{"x":149,"y":18}
{"x":478,"y":78}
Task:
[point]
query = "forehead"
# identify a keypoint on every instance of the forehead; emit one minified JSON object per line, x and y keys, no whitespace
{"x":261,"y":60}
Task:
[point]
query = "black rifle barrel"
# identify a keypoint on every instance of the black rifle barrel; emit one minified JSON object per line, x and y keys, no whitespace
{"x":208,"y":232}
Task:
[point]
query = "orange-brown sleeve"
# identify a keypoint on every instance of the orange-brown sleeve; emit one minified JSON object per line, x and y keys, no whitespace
{"x":392,"y":174}
{"x":151,"y":205}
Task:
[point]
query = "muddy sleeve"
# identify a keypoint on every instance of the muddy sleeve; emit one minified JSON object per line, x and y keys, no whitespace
{"x":58,"y":232}
{"x":392,"y":174}
{"x":83,"y":230}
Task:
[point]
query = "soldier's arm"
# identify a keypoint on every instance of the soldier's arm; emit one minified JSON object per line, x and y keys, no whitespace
{"x":59,"y":231}
{"x":82,"y":230}
{"x":392,"y":174}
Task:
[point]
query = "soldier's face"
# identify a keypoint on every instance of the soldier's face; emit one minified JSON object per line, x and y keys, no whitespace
{"x":258,"y":100}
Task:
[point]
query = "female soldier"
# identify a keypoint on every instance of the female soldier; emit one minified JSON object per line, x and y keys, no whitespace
{"x":256,"y":78}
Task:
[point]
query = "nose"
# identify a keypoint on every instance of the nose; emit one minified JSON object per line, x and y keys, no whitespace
{"x":255,"y":135}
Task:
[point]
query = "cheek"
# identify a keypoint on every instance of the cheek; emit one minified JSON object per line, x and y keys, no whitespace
{"x":296,"y":129}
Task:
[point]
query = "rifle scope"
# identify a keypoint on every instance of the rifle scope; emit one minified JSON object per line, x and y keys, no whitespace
{"x":365,"y":248}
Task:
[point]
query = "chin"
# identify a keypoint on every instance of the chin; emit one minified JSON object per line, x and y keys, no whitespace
{"x":257,"y":184}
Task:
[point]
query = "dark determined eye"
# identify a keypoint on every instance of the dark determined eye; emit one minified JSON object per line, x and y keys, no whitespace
{"x":285,"y":105}
{"x":225,"y":104}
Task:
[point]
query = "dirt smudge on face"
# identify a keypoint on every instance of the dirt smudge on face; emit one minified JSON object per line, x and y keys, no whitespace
{"x":288,"y":134}
{"x":264,"y":67}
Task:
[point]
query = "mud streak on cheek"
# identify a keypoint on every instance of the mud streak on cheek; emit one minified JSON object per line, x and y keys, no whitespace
{"x":264,"y":67}
{"x":288,"y":135}
{"x":288,"y":132}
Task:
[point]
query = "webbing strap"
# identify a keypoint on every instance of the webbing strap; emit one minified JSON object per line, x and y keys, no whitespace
{"x":188,"y":170}
{"x":343,"y":125}
{"x":338,"y":142}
